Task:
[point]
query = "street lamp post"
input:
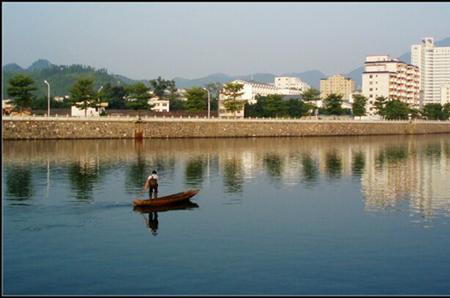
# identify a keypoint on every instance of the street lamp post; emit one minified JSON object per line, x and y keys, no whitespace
{"x":209,"y":103}
{"x":48,"y":103}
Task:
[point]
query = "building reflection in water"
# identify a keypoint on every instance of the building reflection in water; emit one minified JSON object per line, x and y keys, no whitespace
{"x":358,"y":163}
{"x":310,"y":169}
{"x":233,"y":175}
{"x":195,"y":171}
{"x":274,"y":165}
{"x":390,"y":169}
{"x":83,"y":176}
{"x":333,"y":165}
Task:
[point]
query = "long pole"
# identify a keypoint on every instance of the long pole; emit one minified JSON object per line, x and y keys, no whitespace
{"x":209,"y":103}
{"x":48,"y":102}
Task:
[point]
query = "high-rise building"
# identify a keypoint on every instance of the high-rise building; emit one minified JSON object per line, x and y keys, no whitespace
{"x":392,"y":79}
{"x":445,"y":94}
{"x":434,"y":66}
{"x":337,"y":84}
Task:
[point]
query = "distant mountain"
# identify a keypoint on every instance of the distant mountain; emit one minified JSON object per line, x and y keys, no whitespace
{"x":356,"y":74}
{"x":40,"y":65}
{"x":311,"y":77}
{"x":62,"y":77}
{"x":13,"y":67}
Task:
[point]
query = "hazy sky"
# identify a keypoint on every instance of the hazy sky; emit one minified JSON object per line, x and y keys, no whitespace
{"x":144,"y":40}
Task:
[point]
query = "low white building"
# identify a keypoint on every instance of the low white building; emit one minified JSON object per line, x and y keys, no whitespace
{"x":89,"y":112}
{"x":159,"y":105}
{"x":7,"y":103}
{"x":291,"y":83}
{"x":61,"y":98}
{"x":252,"y":89}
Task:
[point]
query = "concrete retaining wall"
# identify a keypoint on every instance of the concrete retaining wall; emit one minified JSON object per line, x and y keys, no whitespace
{"x":85,"y":128}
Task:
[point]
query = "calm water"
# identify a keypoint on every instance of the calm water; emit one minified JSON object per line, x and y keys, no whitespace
{"x":349,"y":215}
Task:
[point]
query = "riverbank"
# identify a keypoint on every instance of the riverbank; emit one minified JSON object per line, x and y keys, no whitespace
{"x":16,"y":128}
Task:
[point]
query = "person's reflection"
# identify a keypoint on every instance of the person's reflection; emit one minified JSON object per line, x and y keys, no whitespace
{"x":152,"y":222}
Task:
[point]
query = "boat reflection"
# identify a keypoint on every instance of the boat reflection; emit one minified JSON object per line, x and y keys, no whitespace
{"x":151,"y":222}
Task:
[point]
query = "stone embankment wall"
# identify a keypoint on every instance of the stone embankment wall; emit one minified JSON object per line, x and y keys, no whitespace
{"x":82,"y":128}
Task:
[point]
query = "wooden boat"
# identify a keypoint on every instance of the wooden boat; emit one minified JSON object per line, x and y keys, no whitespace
{"x":183,"y":205}
{"x":167,"y":200}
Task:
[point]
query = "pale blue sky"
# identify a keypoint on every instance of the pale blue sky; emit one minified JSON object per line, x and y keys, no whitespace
{"x":144,"y":40}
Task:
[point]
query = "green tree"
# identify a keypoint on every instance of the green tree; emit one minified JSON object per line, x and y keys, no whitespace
{"x":20,"y":89}
{"x":82,"y":94}
{"x":214,"y":90}
{"x":114,"y":95}
{"x":138,"y":96}
{"x":380,"y":103}
{"x":415,"y":113}
{"x":359,"y":105}
{"x":41,"y":102}
{"x":177,"y":105}
{"x":297,"y":108}
{"x":233,"y":92}
{"x":333,"y":104}
{"x":434,"y":111}
{"x":159,"y":87}
{"x":275,"y":106}
{"x":446,"y":111}
{"x":256,"y":109}
{"x":197,"y":99}
{"x":396,"y":110}
{"x":311,"y":95}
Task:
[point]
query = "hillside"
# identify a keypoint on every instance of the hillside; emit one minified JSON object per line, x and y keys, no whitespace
{"x":60,"y":77}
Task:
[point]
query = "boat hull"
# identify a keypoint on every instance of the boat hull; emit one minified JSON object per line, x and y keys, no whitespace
{"x":167,"y":200}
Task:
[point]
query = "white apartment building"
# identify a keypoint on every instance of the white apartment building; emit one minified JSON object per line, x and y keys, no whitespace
{"x":291,"y":83}
{"x":391,"y":78}
{"x":434,"y":66}
{"x":445,"y":94}
{"x":252,"y":89}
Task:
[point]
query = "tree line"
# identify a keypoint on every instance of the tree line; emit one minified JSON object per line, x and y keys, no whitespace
{"x":136,"y":96}
{"x":83,"y":94}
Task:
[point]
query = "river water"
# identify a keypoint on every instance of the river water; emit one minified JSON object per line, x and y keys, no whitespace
{"x":330,"y":215}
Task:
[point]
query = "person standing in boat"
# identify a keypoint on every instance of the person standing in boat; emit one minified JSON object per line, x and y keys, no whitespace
{"x":152,"y":184}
